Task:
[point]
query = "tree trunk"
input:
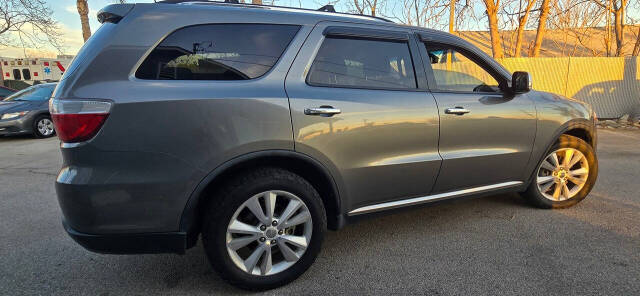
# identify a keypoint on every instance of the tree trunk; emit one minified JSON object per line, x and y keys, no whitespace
{"x":618,"y":20}
{"x":83,"y":11}
{"x":373,"y":8}
{"x":542,"y":27}
{"x":452,"y":16}
{"x":636,"y":48}
{"x":496,"y":40}
{"x":522,"y":23}
{"x":256,"y":2}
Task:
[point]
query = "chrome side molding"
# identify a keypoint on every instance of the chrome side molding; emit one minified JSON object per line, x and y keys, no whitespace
{"x":430,"y":198}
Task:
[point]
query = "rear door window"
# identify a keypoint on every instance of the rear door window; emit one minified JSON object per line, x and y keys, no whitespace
{"x":218,"y":52}
{"x":362,"y":63}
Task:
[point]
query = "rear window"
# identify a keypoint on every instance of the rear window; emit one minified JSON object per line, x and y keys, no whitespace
{"x":218,"y":52}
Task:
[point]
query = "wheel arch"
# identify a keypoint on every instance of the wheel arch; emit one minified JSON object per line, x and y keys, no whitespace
{"x":305,"y":166}
{"x":578,"y":127}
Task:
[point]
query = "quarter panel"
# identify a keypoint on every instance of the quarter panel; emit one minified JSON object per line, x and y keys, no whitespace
{"x":162,"y":138}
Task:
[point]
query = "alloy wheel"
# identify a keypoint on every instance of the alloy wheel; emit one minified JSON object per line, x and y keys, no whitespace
{"x":269,"y":233}
{"x":562,"y":174}
{"x":45,"y":127}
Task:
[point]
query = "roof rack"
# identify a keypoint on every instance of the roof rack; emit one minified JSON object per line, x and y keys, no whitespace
{"x":326,"y":8}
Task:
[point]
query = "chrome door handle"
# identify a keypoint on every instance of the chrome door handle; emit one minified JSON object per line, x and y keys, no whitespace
{"x":457,"y":111}
{"x":322,"y":111}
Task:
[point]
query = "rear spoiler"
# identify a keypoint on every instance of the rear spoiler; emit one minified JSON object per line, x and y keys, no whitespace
{"x":114,"y":13}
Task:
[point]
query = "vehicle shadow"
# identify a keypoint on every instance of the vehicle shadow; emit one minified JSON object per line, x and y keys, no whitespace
{"x":192,"y":272}
{"x":455,"y":245}
{"x":17,"y":138}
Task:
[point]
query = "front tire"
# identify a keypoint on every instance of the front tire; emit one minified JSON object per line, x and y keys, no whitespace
{"x":264,"y":229}
{"x":565,"y":176}
{"x":43,"y":127}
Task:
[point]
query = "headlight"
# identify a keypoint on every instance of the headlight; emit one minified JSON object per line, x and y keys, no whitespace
{"x":14,"y":115}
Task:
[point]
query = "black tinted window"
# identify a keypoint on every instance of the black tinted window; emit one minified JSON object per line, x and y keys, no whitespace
{"x":27,"y":74}
{"x":363,"y":63}
{"x":218,"y":52}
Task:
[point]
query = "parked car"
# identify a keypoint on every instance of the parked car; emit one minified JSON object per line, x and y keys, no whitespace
{"x":257,"y":128}
{"x":5,"y":92}
{"x":27,"y":112}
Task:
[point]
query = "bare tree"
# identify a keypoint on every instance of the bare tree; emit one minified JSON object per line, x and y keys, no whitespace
{"x":367,"y":7}
{"x":636,"y":47}
{"x":618,"y":9}
{"x":256,"y":2}
{"x":28,"y":24}
{"x":422,"y":13}
{"x":542,"y":28}
{"x":523,"y":17}
{"x":493,"y":6}
{"x":83,"y":11}
{"x":576,"y":19}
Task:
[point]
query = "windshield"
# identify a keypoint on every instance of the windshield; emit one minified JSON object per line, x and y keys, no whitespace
{"x":34,"y":93}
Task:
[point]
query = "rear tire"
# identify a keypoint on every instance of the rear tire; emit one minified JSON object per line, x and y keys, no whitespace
{"x":43,"y":127}
{"x":238,"y":200}
{"x":567,"y":177}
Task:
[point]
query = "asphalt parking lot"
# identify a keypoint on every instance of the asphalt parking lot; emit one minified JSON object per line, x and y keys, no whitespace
{"x":485,"y":246}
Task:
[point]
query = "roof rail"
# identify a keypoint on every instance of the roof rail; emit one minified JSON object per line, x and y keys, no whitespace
{"x":326,"y":8}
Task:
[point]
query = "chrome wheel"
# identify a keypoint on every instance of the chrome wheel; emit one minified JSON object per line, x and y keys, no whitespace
{"x":269,"y":233}
{"x":45,"y":127}
{"x":562,"y":174}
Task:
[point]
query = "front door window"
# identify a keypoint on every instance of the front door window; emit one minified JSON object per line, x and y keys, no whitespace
{"x":454,"y":71}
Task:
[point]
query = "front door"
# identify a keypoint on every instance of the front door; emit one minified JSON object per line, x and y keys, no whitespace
{"x":358,"y":108}
{"x":486,"y":136}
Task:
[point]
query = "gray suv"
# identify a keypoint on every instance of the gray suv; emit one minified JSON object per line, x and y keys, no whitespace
{"x":257,"y":128}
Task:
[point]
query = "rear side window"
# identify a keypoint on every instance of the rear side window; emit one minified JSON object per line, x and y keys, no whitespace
{"x":218,"y":52}
{"x":361,"y":63}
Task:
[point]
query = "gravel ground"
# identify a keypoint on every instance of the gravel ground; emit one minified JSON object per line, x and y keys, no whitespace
{"x":485,"y":246}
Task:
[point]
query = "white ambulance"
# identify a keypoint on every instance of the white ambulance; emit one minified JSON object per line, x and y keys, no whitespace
{"x":30,"y":70}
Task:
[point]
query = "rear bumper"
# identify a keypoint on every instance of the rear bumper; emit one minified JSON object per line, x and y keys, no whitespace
{"x":139,"y":243}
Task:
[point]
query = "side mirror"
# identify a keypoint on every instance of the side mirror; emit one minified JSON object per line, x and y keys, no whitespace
{"x":521,"y":82}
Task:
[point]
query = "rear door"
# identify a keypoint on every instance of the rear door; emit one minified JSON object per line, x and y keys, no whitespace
{"x":486,"y":135}
{"x":357,"y":107}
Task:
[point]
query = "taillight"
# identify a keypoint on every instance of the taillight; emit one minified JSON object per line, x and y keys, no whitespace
{"x":78,"y":120}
